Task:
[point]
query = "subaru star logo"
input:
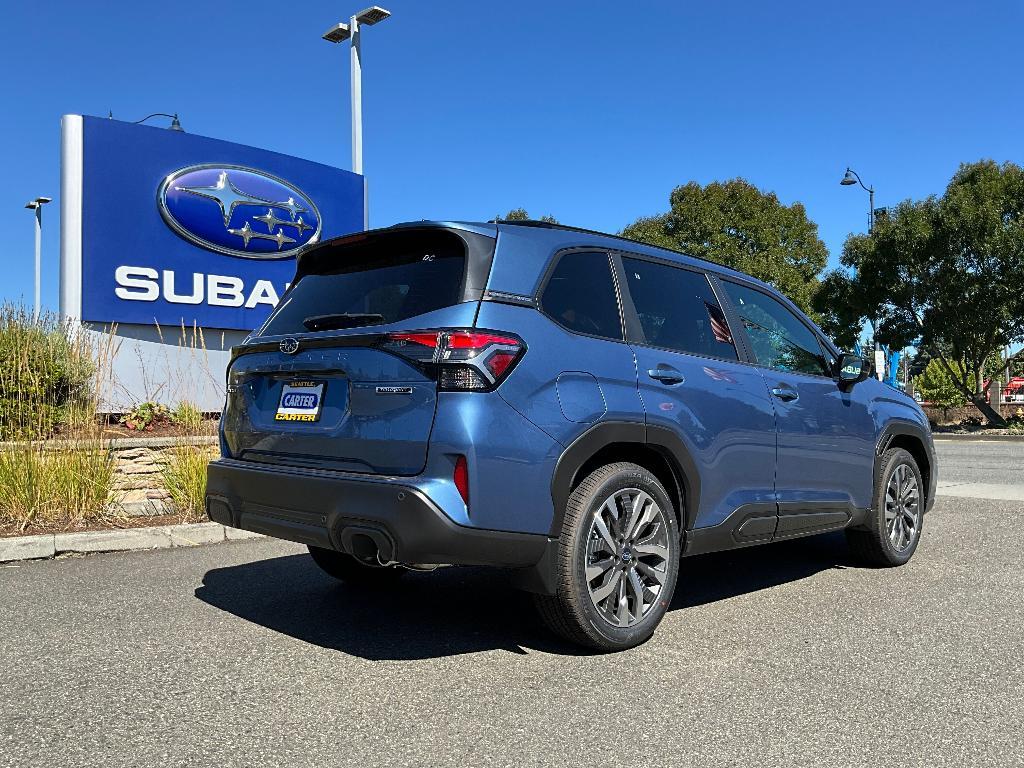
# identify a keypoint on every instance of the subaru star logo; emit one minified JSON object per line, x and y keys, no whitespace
{"x":289,"y":346}
{"x":238,"y":211}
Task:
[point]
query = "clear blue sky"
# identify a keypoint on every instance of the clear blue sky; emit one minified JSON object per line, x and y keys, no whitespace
{"x":590,"y":111}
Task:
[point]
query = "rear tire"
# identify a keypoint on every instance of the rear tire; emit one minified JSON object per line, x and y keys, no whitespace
{"x":617,"y":561}
{"x":346,"y":568}
{"x":893,"y":528}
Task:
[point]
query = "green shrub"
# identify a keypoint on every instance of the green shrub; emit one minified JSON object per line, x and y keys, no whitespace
{"x":184,"y":478}
{"x":46,"y":375}
{"x":145,"y":415}
{"x":937,"y":387}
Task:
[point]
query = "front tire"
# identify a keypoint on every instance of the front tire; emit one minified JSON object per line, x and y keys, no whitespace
{"x":618,"y":560}
{"x":893,"y":528}
{"x":346,"y":568}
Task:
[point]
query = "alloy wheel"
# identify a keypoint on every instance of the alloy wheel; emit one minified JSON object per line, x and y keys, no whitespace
{"x":627,"y":556}
{"x":902,"y":508}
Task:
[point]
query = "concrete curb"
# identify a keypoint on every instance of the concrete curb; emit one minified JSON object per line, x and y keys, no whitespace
{"x":975,"y":436}
{"x":16,"y":548}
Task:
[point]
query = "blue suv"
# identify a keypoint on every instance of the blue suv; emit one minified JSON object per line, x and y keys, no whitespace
{"x":579,"y":408}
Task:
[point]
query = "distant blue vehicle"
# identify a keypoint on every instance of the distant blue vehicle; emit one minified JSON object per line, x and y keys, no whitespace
{"x":580,"y":408}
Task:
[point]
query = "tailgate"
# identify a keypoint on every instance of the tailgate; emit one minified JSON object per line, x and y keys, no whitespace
{"x":356,"y":409}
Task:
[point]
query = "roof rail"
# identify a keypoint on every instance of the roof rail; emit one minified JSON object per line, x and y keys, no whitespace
{"x":568,"y":228}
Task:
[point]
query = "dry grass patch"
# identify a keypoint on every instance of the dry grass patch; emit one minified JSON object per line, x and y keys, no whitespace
{"x":54,"y":487}
{"x":184,"y":478}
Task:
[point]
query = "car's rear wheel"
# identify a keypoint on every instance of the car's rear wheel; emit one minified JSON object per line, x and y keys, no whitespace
{"x":349,"y":569}
{"x":892,"y":530}
{"x":618,"y":560}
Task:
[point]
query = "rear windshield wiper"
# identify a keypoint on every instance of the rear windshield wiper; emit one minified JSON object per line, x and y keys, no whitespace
{"x":341,"y":320}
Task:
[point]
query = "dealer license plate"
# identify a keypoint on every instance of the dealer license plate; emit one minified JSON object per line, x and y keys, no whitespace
{"x":300,"y":401}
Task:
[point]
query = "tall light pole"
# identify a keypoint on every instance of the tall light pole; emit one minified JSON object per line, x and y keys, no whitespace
{"x":850,"y":178}
{"x":37,"y":206}
{"x":337,"y":34}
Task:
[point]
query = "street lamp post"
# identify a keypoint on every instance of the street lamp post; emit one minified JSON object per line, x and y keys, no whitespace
{"x":37,"y":206}
{"x":850,"y":178}
{"x":337,"y":34}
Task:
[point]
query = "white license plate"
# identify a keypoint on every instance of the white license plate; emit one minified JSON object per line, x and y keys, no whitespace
{"x":300,"y":401}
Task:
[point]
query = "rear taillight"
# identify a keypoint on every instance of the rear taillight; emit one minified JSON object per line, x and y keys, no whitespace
{"x":465,"y":360}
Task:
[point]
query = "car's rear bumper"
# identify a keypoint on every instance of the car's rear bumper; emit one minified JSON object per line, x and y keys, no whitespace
{"x":333,"y":510}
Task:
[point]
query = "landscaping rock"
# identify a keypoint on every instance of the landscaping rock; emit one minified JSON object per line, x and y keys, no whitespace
{"x":143,"y":508}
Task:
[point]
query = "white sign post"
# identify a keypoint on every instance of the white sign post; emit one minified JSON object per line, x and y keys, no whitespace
{"x":879,"y":364}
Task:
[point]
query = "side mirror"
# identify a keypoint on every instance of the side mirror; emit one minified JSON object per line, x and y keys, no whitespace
{"x":851,"y":369}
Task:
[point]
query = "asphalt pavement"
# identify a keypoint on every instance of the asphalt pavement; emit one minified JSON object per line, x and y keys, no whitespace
{"x":979,"y":468}
{"x":244,"y":654}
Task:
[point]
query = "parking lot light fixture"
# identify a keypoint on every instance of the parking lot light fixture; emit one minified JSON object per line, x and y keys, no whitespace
{"x":37,"y":206}
{"x":337,"y":34}
{"x":372,"y":15}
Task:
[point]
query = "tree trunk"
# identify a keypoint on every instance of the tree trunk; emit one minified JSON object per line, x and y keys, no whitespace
{"x":992,"y":415}
{"x":977,"y":397}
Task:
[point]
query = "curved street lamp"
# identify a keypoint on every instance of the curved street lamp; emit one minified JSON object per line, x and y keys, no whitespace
{"x":36,"y":206}
{"x":174,"y":126}
{"x":850,"y":178}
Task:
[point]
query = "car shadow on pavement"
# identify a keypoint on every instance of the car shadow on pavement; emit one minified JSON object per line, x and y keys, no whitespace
{"x":452,"y":611}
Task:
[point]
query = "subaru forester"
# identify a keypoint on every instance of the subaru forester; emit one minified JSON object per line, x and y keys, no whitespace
{"x":578,"y":408}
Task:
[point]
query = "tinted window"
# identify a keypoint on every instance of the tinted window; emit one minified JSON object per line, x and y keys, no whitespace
{"x":678,"y":310}
{"x":581,"y":295}
{"x":370,"y":283}
{"x":779,"y":338}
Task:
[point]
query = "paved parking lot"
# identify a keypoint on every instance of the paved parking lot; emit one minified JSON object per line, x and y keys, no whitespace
{"x":243,"y":654}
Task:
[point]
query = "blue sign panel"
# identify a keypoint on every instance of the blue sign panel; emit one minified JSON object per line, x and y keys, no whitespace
{"x":182,"y":229}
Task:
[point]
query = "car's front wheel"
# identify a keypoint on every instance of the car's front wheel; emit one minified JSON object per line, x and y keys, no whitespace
{"x":618,"y":560}
{"x":892,"y":530}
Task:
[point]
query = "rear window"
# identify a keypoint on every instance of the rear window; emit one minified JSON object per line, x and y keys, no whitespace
{"x":373,"y":282}
{"x":580,"y":295}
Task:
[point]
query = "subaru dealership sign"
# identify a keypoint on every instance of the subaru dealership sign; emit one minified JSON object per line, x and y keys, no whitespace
{"x":179,"y":245}
{"x":166,"y":228}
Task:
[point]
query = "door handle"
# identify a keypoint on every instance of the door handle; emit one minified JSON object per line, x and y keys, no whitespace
{"x":666,"y":375}
{"x":786,"y":394}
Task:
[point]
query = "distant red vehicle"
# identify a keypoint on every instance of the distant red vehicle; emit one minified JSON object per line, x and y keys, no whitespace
{"x":1013,"y":392}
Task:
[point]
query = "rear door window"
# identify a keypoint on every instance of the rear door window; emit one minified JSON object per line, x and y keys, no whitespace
{"x":373,"y":283}
{"x":580,"y":295}
{"x":678,"y":310}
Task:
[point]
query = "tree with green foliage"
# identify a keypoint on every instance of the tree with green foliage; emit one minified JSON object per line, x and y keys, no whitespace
{"x":520,"y":214}
{"x":937,"y":387}
{"x":945,"y":274}
{"x":735,"y":224}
